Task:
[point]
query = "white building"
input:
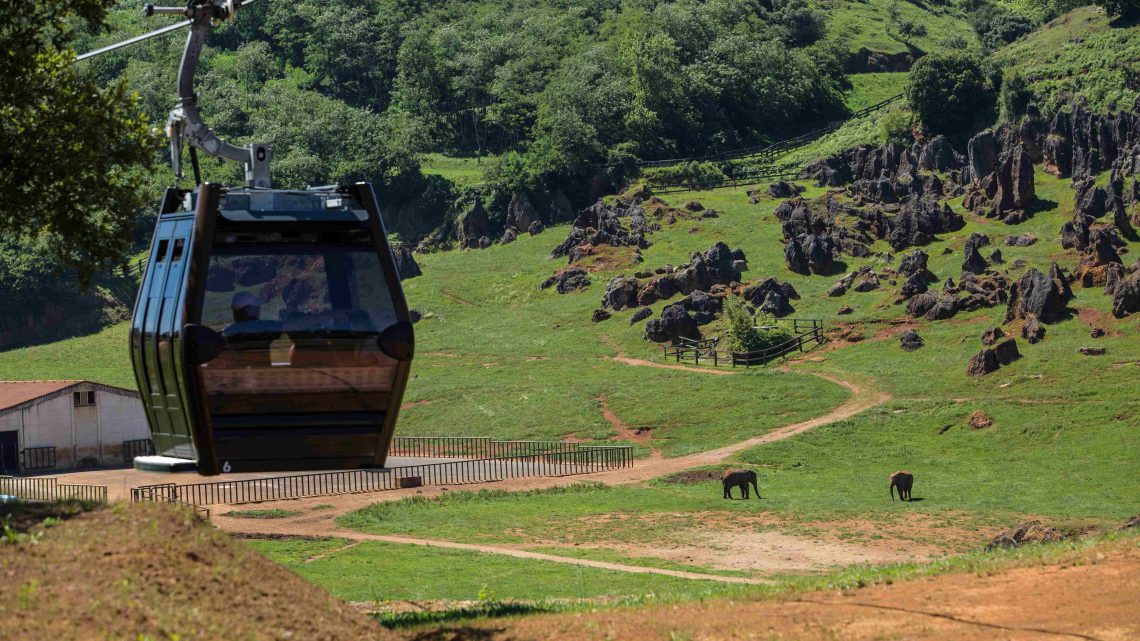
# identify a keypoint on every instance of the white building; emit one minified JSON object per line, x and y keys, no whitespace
{"x":61,"y":424}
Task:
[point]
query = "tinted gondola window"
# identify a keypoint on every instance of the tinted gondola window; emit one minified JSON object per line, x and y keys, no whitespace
{"x":300,"y":314}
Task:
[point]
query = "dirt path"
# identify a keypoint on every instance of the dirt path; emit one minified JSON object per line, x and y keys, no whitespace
{"x":640,"y":362}
{"x":323,"y":522}
{"x":1090,"y":595}
{"x":358,"y":537}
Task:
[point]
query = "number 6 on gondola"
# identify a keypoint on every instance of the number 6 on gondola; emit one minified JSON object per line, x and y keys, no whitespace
{"x":271,"y":330}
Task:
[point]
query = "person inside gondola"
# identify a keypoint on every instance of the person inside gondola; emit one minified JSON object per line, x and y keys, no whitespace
{"x":248,"y":338}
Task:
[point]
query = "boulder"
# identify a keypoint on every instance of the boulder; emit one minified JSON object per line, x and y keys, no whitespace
{"x":694,"y":206}
{"x":1039,"y":295}
{"x":1091,"y":201}
{"x":509,"y":236}
{"x":599,"y":315}
{"x":995,"y":257}
{"x":1006,"y":351}
{"x":621,"y":292}
{"x":405,"y":263}
{"x":867,"y":281}
{"x":979,"y":420}
{"x":944,"y":307}
{"x":1075,"y":233}
{"x":535,"y":228}
{"x":910,"y":340}
{"x":568,"y":281}
{"x":758,"y":293}
{"x":794,"y":257}
{"x":915,"y":284}
{"x":819,"y":249}
{"x":472,"y":226}
{"x":660,"y":288}
{"x":918,"y":305}
{"x":1020,"y":240}
{"x":915,"y":263}
{"x":1033,"y":331}
{"x":1126,"y":295}
{"x":783,"y":189}
{"x":1093,"y":351}
{"x":972,"y":261}
{"x":1021,"y":175}
{"x":1100,"y":252}
{"x":521,"y":212}
{"x":1026,"y":533}
{"x":938,"y":155}
{"x":982,"y":155}
{"x":674,"y":323}
{"x":1097,"y":332}
{"x":776,"y":304}
{"x":992,"y":335}
{"x":982,"y":363}
{"x":640,"y":315}
{"x":843,"y":311}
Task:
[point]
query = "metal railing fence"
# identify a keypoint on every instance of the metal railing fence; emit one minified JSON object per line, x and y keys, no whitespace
{"x":38,"y":488}
{"x":580,"y":459}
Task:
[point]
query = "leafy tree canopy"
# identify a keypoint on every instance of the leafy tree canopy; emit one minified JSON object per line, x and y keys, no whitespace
{"x":73,"y":151}
{"x":947,"y":91}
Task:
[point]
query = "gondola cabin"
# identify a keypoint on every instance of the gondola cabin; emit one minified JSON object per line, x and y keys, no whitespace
{"x":271,"y":331}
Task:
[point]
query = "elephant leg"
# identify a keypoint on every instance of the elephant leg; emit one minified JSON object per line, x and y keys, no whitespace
{"x":744,"y":491}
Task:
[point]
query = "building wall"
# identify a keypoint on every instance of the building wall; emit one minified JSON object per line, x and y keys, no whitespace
{"x":79,"y":433}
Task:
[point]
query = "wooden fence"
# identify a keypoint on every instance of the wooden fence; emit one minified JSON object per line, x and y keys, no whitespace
{"x":807,"y":332}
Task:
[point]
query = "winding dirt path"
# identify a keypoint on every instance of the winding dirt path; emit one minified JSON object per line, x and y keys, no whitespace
{"x":323,"y":522}
{"x":640,"y":362}
{"x":359,"y":537}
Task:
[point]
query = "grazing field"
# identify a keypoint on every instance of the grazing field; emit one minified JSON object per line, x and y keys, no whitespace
{"x":872,"y":88}
{"x":375,"y":571}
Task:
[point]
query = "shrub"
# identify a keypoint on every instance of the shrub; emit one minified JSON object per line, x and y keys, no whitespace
{"x":947,"y":91}
{"x":896,"y":126}
{"x":1015,"y":96}
{"x":1122,"y":8}
{"x":741,"y":331}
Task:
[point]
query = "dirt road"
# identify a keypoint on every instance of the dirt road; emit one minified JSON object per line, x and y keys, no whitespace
{"x":1093,"y":595}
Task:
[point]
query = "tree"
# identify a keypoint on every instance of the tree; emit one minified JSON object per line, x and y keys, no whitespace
{"x":1123,"y":8}
{"x":70,"y":150}
{"x":1014,"y":97}
{"x":947,"y":91}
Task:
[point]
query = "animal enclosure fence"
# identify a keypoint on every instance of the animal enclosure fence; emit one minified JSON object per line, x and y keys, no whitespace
{"x":37,"y":488}
{"x":559,"y":459}
{"x":806,"y":332}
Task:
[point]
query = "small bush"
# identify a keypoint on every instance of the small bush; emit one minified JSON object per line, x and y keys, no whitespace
{"x":896,"y":126}
{"x":1015,"y":96}
{"x":741,"y":332}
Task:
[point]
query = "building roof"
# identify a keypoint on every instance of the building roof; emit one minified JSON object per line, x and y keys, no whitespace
{"x":15,"y":394}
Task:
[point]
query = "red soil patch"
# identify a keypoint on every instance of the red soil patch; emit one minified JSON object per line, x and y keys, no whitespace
{"x":1092,"y":595}
{"x":1097,"y":318}
{"x":422,"y":403}
{"x":624,"y":432}
{"x":137,"y":571}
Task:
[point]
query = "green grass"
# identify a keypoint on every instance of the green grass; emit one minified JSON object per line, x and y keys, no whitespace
{"x":375,"y":571}
{"x":872,"y":88}
{"x":100,"y":357}
{"x":275,"y":513}
{"x":461,"y":171}
{"x":1079,"y":52}
{"x":865,"y":25}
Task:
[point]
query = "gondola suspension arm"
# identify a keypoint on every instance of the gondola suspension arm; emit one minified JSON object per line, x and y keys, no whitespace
{"x":185,"y":124}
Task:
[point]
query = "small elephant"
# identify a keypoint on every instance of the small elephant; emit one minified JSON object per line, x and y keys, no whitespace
{"x":902,"y":480}
{"x":740,"y":479}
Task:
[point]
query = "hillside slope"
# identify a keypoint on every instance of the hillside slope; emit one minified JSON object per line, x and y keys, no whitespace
{"x":148,"y":571}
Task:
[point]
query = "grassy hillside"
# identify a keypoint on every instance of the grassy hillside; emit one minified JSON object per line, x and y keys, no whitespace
{"x":866,"y":25}
{"x":1080,"y":52}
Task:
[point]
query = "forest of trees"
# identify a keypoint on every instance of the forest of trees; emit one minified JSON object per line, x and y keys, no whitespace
{"x":357,"y":88}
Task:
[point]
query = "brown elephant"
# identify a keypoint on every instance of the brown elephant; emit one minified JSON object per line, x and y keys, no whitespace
{"x":740,"y":479}
{"x":903,"y":481}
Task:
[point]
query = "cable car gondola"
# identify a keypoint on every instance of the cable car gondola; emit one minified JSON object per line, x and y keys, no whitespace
{"x":270,"y":330}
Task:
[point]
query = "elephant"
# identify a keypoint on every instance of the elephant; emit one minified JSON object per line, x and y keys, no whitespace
{"x":902,"y":480}
{"x":740,"y":479}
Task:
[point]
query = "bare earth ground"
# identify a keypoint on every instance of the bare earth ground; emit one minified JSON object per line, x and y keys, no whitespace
{"x":1094,"y":595}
